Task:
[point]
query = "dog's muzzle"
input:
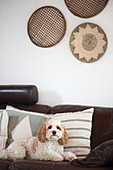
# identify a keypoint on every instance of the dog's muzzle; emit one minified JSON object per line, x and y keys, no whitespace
{"x":54,"y":133}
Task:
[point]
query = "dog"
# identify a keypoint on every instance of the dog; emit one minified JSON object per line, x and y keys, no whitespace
{"x":47,"y":145}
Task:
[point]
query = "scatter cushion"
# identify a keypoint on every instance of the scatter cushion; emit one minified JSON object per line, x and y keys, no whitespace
{"x":99,"y":156}
{"x":78,"y":126}
{"x":23,"y":124}
{"x":3,"y":128}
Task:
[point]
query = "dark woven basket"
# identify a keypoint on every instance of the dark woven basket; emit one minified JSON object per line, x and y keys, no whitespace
{"x":86,"y":8}
{"x":46,"y":26}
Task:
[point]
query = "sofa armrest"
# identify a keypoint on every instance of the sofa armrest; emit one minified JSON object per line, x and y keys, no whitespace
{"x":25,"y":94}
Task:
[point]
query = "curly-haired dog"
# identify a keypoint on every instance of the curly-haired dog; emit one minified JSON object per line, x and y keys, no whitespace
{"x":48,"y":145}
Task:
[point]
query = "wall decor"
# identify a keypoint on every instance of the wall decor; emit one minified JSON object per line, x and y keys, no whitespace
{"x":46,"y":26}
{"x":86,"y":8}
{"x":88,"y":42}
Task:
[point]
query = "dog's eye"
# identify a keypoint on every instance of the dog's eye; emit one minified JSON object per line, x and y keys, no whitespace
{"x":49,"y":127}
{"x":58,"y":128}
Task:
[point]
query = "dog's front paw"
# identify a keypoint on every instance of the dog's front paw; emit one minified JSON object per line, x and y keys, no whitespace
{"x":69,"y":156}
{"x":3,"y":154}
{"x":58,"y":158}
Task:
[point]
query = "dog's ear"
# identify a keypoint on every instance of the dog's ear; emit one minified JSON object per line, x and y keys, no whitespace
{"x":42,"y":133}
{"x":64,"y":139}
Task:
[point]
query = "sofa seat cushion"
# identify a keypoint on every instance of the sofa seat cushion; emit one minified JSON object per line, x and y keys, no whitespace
{"x":4,"y":164}
{"x":100,"y":156}
{"x":48,"y":165}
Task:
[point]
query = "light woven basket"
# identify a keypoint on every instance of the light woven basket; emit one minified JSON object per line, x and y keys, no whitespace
{"x":88,"y":42}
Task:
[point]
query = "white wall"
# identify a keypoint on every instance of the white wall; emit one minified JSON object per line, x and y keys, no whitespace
{"x":59,"y":76}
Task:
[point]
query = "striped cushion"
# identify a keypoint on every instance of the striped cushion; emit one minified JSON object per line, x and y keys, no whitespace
{"x":3,"y":128}
{"x":78,"y":126}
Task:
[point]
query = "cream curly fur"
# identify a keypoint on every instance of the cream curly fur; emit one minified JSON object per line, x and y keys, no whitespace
{"x":48,"y":145}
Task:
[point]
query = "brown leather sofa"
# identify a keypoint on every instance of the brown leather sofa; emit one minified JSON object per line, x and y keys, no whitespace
{"x":26,"y":97}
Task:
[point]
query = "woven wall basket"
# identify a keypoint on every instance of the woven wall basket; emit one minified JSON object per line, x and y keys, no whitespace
{"x":88,"y":42}
{"x":86,"y":8}
{"x":46,"y":26}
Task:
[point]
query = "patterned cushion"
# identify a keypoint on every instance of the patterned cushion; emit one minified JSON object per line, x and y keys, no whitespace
{"x":22,"y":123}
{"x":78,"y":126}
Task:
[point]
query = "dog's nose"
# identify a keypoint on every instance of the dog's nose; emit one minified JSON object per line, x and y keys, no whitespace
{"x":54,"y":132}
